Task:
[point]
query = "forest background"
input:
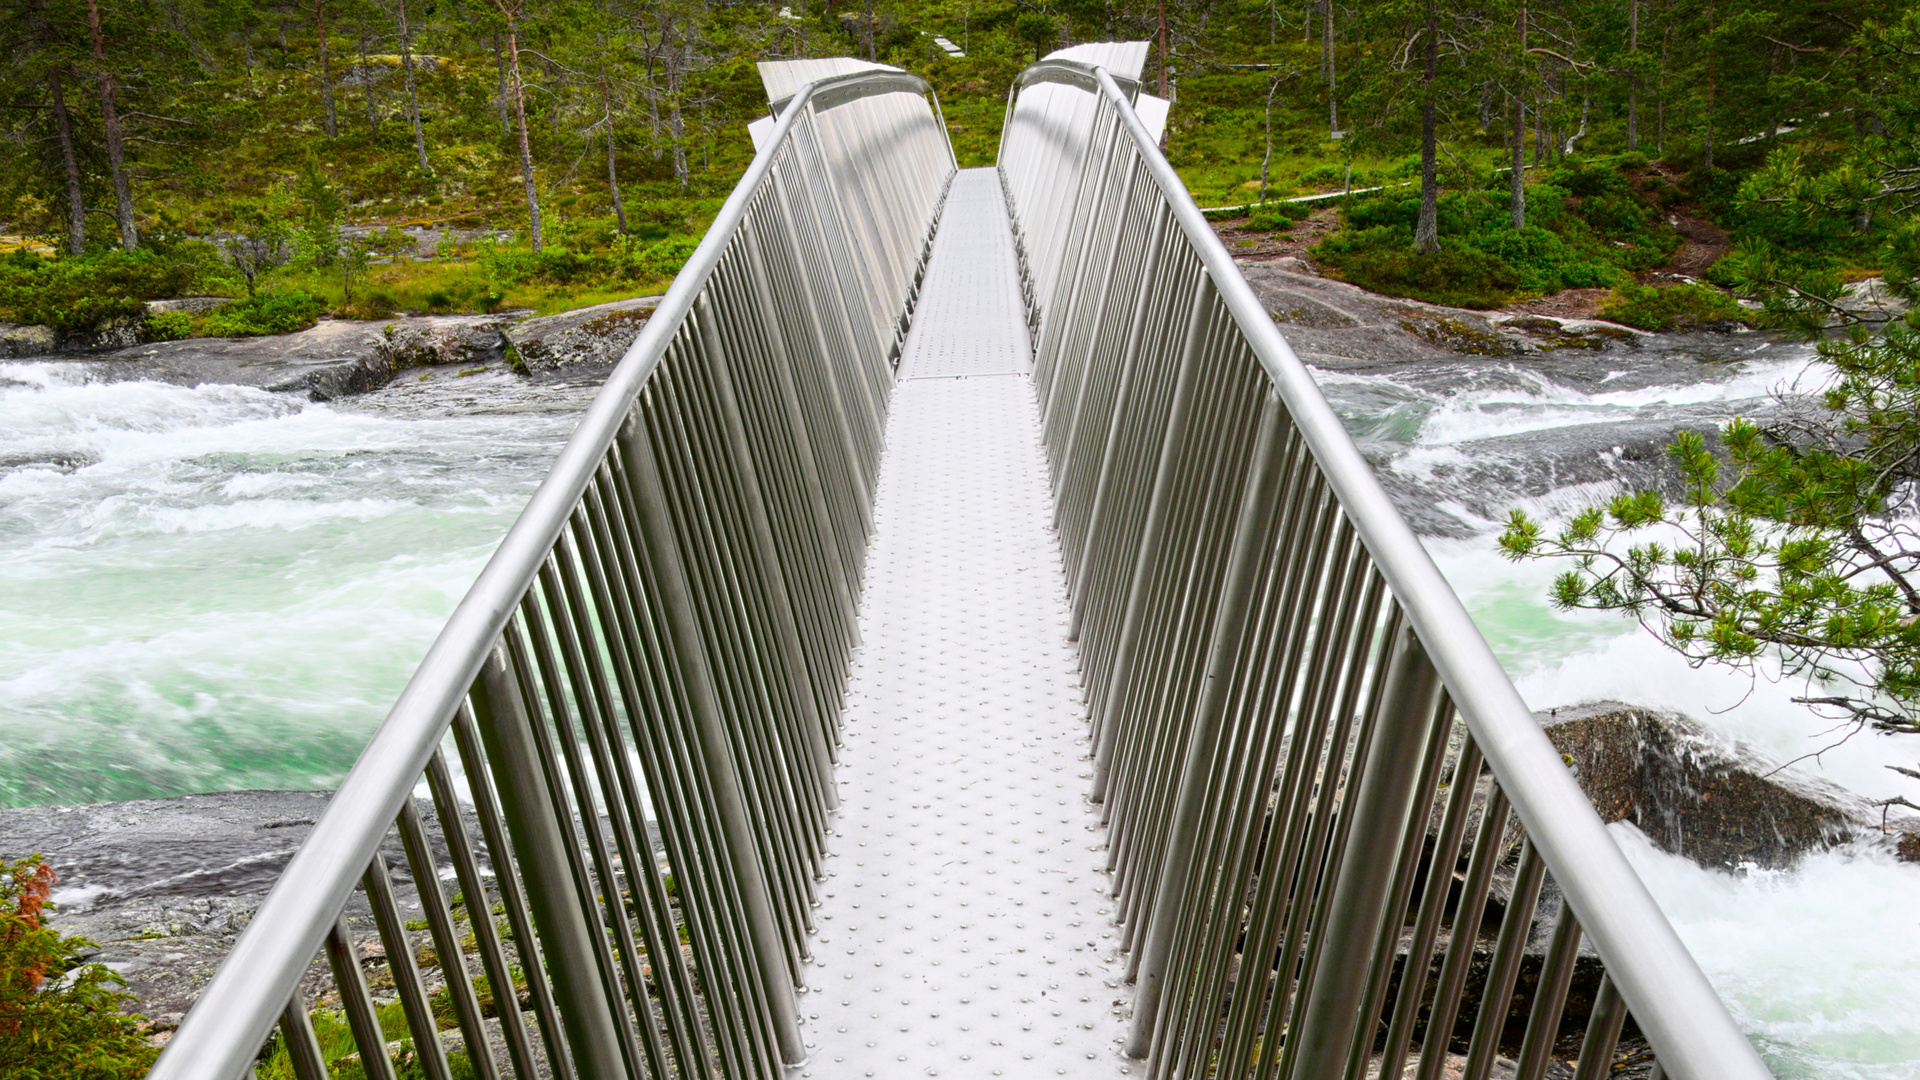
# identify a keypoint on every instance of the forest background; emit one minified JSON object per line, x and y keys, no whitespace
{"x":272,"y":150}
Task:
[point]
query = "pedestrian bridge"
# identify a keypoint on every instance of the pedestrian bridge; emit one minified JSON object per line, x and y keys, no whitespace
{"x":961,"y":641}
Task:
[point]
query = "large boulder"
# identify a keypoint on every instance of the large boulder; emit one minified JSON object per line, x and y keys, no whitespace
{"x":588,"y":337}
{"x":1700,"y":794}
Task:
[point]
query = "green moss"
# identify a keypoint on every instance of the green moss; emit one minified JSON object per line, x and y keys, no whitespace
{"x":1677,"y":307}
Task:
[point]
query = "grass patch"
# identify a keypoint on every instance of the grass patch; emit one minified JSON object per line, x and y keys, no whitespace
{"x":1677,"y":307}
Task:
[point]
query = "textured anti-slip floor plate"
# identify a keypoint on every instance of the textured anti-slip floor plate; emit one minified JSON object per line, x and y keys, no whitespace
{"x":965,"y":929}
{"x":970,"y":319}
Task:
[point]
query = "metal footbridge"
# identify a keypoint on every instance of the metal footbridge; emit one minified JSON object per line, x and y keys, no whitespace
{"x":960,"y":641}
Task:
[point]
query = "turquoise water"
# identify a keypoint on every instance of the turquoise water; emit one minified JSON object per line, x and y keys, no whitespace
{"x":220,"y":588}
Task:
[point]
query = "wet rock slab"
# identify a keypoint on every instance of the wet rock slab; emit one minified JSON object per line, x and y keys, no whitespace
{"x":1700,"y":794}
{"x":331,"y":359}
{"x":163,"y":885}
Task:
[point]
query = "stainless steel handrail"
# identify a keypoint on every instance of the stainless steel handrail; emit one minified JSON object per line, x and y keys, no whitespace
{"x":1309,"y":576}
{"x":703,"y":527}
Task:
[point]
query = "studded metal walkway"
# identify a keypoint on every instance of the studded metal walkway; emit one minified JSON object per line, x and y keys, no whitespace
{"x":965,"y":926}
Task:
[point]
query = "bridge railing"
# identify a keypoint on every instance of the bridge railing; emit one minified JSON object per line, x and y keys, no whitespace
{"x":642,"y":688}
{"x":1335,"y":828}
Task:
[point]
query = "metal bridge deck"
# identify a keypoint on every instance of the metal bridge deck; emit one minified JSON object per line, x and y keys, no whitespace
{"x":965,"y":925}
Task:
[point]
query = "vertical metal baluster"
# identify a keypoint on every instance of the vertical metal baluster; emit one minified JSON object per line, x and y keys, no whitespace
{"x":1152,"y":536}
{"x":513,"y":900}
{"x":1550,"y":997}
{"x":357,"y":1003}
{"x":531,"y":657}
{"x":1420,"y":813}
{"x":1433,"y":902}
{"x":1496,"y":996}
{"x":405,"y":970}
{"x":1603,"y":1032}
{"x":1129,"y":361}
{"x":539,"y":839}
{"x":734,"y":677}
{"x":610,"y":914}
{"x":446,"y":940}
{"x":714,"y":918}
{"x":303,"y":1046}
{"x":618,"y":620}
{"x":479,"y":904}
{"x":1250,"y":532}
{"x":817,"y":731}
{"x":1488,"y":849}
{"x":769,"y":948}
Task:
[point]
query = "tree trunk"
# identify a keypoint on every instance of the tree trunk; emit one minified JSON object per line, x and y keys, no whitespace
{"x":1710,"y":85}
{"x":1333,"y":81}
{"x":676,"y":124}
{"x":613,"y":173}
{"x":1517,"y":133}
{"x":1160,"y":48}
{"x":1273,"y":84}
{"x":1517,"y":181}
{"x":1426,"y":234}
{"x":413,"y":91}
{"x":520,"y":120}
{"x":366,"y":82}
{"x":116,"y":136}
{"x":500,"y":93}
{"x":326,"y":68}
{"x":869,"y":32}
{"x":1633,"y":75}
{"x":76,"y":206}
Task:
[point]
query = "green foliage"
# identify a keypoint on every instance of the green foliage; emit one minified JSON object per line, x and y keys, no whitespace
{"x":1457,"y":278}
{"x":265,"y":313}
{"x":1278,"y":216}
{"x":1792,"y":541}
{"x":636,"y":258}
{"x":1675,"y":307}
{"x":74,"y":295}
{"x":342,"y":1054}
{"x":60,"y":1017}
{"x":1590,"y":232}
{"x":168,"y":325}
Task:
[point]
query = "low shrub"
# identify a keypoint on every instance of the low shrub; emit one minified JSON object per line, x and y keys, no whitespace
{"x":74,"y":294}
{"x":168,"y":325}
{"x":1457,"y":277}
{"x":60,"y":1017}
{"x":1677,"y":307}
{"x":265,"y":313}
{"x":1278,"y":216}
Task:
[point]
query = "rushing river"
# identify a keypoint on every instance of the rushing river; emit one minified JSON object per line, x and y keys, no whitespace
{"x":1820,"y":963}
{"x":220,"y":588}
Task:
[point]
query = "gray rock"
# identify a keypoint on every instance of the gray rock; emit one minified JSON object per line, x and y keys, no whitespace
{"x":19,"y":342}
{"x":596,"y":336}
{"x":331,"y":359}
{"x":1700,"y":794}
{"x":1338,"y":326}
{"x":193,"y":305}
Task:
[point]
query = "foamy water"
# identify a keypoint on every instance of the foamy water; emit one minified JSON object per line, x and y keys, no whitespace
{"x":1820,"y":963}
{"x":221,"y":588}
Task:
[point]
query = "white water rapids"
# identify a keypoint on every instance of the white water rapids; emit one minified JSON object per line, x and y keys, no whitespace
{"x":1820,"y":963}
{"x":221,"y":588}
